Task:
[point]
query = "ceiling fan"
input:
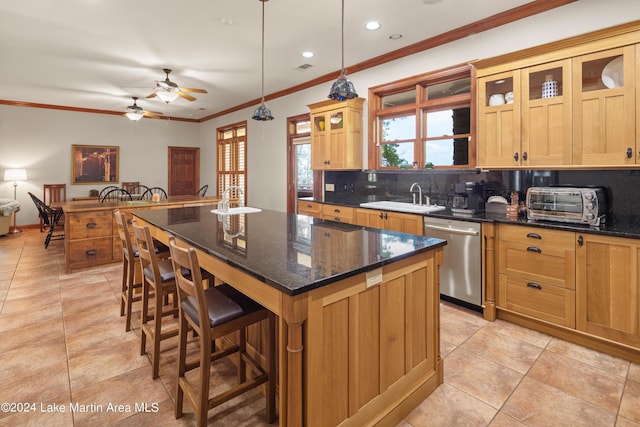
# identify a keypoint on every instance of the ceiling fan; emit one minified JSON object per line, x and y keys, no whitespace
{"x":135,"y":112}
{"x":169,"y":91}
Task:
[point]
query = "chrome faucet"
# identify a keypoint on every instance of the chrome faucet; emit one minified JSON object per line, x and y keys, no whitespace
{"x":225,"y":196}
{"x":415,"y":184}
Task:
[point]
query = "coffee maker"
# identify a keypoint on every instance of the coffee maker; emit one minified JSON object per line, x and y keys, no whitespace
{"x":468,"y":198}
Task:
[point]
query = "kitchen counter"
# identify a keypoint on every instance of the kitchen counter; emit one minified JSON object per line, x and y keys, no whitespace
{"x":273,"y":245}
{"x":351,"y":302}
{"x":617,"y":226}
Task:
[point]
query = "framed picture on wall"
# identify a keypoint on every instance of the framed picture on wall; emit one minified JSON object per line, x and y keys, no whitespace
{"x":94,"y":164}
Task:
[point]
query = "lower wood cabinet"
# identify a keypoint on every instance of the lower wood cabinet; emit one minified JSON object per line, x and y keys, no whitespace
{"x":387,"y":220}
{"x":338,"y":213}
{"x":306,"y":207}
{"x":607,"y":288}
{"x":579,"y":286}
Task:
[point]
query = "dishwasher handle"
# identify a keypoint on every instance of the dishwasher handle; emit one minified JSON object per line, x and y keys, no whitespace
{"x":452,"y":230}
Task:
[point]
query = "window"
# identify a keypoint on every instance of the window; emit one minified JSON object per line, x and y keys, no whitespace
{"x":232,"y":159}
{"x":423,"y":121}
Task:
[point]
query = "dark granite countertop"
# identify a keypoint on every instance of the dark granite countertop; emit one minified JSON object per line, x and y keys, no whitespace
{"x":616,"y":225}
{"x":293,"y":253}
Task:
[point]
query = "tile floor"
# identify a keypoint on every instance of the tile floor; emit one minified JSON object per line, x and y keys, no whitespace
{"x":64,"y":352}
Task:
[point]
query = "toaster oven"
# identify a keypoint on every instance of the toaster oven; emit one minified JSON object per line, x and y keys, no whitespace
{"x":580,"y":205}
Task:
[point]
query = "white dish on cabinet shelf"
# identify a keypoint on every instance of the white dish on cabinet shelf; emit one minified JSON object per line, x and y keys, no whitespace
{"x":613,"y":73}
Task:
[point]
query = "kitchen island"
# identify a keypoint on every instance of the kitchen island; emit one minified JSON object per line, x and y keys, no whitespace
{"x":358,"y":308}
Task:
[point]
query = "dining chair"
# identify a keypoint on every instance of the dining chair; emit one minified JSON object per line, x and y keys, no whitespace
{"x":129,"y":185}
{"x":138,"y":191}
{"x":212,"y":314}
{"x":116,"y":195}
{"x":149,"y":193}
{"x":131,"y":272}
{"x":105,"y":190}
{"x":158,"y":282}
{"x":53,"y":193}
{"x":203,"y":190}
{"x":51,"y":218}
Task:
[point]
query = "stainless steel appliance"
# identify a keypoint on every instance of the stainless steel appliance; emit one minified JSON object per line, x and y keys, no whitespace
{"x":581,"y":205}
{"x":461,"y":269}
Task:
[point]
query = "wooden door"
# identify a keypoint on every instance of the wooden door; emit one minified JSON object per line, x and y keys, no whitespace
{"x":184,"y":171}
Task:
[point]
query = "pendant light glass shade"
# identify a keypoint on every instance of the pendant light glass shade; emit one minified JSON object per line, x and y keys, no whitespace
{"x":262,"y":113}
{"x":342,"y":88}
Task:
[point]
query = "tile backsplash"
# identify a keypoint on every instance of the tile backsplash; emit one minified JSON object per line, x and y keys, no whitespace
{"x":354,"y":187}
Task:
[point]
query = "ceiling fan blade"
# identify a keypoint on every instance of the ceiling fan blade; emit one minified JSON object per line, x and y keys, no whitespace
{"x":153,"y":115}
{"x":190,"y":89}
{"x":185,"y":96}
{"x":152,"y":95}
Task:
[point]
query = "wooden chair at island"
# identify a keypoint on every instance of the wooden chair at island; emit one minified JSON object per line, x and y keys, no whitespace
{"x":53,"y":193}
{"x":116,"y":195}
{"x":131,"y":272}
{"x":158,"y":282}
{"x":213,"y":313}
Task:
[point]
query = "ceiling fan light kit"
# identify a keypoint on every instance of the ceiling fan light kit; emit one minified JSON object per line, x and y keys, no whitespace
{"x":342,"y":88}
{"x":168,"y":91}
{"x":166,"y":94}
{"x":262,"y":113}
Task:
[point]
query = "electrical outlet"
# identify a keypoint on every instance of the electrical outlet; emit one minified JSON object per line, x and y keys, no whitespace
{"x":374,"y":277}
{"x":329,"y":187}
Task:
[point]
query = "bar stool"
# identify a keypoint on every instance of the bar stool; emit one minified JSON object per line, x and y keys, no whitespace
{"x":131,"y":273}
{"x":214,"y":313}
{"x":157,"y":278}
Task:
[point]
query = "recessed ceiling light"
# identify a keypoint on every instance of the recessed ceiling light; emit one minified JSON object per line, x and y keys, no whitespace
{"x":226,"y":21}
{"x":307,"y":54}
{"x":372,"y":25}
{"x":395,"y":36}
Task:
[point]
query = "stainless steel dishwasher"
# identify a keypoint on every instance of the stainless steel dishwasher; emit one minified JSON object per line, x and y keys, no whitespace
{"x":461,"y":269}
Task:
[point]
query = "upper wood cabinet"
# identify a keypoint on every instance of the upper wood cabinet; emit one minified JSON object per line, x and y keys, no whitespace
{"x":498,"y":121}
{"x":336,"y":134}
{"x":587,"y":121}
{"x":604,"y":116}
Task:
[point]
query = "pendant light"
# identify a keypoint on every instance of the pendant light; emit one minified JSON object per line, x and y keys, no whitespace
{"x":342,"y":88}
{"x":263,"y":112}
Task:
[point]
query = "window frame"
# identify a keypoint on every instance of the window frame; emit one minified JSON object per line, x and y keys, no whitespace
{"x":422,"y":105}
{"x":236,"y":176}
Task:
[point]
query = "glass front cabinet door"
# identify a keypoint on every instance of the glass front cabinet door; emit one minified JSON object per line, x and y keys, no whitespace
{"x":604,"y":108}
{"x":499,"y":120}
{"x":546,"y":115}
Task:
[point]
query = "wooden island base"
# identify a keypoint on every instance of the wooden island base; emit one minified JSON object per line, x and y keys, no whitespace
{"x":349,"y":354}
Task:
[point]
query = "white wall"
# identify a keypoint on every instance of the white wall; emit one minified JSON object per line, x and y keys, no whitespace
{"x":40,"y":140}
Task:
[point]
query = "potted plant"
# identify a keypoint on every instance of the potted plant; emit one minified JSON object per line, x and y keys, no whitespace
{"x":93,"y":193}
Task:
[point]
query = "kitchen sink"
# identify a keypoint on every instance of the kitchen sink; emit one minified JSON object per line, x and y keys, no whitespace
{"x":236,"y":211}
{"x":403,"y":207}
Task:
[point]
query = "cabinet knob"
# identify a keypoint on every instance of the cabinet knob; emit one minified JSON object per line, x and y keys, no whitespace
{"x":534,"y":236}
{"x":91,"y":252}
{"x":515,"y":156}
{"x":91,"y":225}
{"x":524,"y":156}
{"x":534,"y":249}
{"x":534,"y":285}
{"x":629,"y":153}
{"x":580,"y":241}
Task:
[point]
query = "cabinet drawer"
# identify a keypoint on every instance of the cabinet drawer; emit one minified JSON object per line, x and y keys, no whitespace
{"x":310,"y":208}
{"x":538,"y":236}
{"x":87,"y":225}
{"x":548,"y":264}
{"x":542,"y":301}
{"x":338,"y":213}
{"x":89,"y":252}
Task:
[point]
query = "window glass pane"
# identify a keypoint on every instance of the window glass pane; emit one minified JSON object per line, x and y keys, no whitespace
{"x":396,"y":99}
{"x":448,"y":122}
{"x":241,"y":131}
{"x":399,"y":128}
{"x":303,"y":127}
{"x":443,"y":90}
{"x":303,"y":167}
{"x":447,"y":152}
{"x":400,"y":154}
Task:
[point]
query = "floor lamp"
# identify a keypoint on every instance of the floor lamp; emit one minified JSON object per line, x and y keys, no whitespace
{"x":15,"y":175}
